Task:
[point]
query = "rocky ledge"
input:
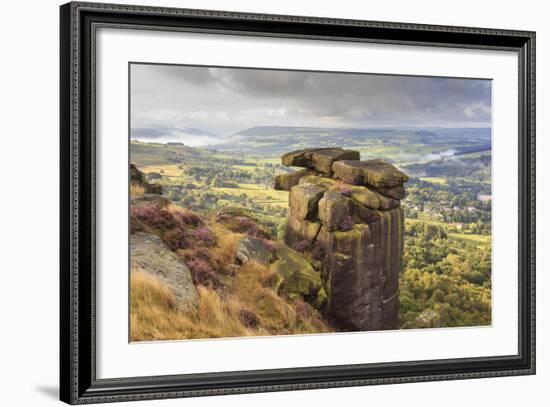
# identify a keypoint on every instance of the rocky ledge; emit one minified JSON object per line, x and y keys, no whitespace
{"x":138,"y":178}
{"x":349,"y":212}
{"x":149,"y":254}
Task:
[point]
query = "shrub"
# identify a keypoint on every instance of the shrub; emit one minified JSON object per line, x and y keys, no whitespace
{"x":248,"y":318}
{"x":242,"y":224}
{"x":155,"y":217}
{"x":173,"y":224}
{"x":186,"y":217}
{"x":176,"y":239}
{"x":205,"y":236}
{"x":202,"y":273}
{"x":248,"y":226}
{"x":304,"y":311}
{"x":199,"y":253}
{"x":308,"y":315}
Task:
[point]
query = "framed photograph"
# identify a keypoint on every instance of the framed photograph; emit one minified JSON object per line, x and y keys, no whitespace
{"x":254,"y":203}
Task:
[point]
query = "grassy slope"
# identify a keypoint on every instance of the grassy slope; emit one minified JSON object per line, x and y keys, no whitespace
{"x":247,"y":303}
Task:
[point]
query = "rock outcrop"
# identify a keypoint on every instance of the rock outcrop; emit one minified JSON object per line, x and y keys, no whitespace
{"x":318,"y":159}
{"x":298,"y":276}
{"x":252,"y":249}
{"x":348,"y":211}
{"x":149,"y":200}
{"x":150,"y":254}
{"x":137,"y":177}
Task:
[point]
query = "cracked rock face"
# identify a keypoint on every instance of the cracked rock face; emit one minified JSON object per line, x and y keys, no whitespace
{"x":318,"y":159}
{"x":150,"y":254}
{"x":350,"y":212}
{"x":361,"y":272}
{"x":303,"y":200}
{"x":284,"y":182}
{"x":377,"y":173}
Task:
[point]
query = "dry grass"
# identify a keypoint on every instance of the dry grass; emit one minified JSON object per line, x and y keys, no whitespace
{"x":136,"y":189}
{"x":255,"y":287}
{"x":173,"y":208}
{"x":252,"y":292}
{"x":224,"y":251}
{"x":276,"y":314}
{"x":222,"y":256}
{"x":153,"y":315}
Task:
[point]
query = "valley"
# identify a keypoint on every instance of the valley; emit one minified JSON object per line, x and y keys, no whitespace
{"x":446,"y":277}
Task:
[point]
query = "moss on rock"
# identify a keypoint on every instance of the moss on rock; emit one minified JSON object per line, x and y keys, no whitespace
{"x":299,"y":277}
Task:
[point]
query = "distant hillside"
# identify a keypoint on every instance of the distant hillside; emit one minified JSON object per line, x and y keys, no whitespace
{"x":278,"y":139}
{"x":158,"y":153}
{"x":176,"y":153}
{"x":477,"y":133}
{"x":477,"y":167}
{"x":186,"y":135}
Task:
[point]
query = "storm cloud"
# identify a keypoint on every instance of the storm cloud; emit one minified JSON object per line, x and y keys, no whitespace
{"x":227,"y":100}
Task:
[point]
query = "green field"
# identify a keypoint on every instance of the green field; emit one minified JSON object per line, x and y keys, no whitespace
{"x":260,"y":194}
{"x":434,"y":180}
{"x":475,"y":238}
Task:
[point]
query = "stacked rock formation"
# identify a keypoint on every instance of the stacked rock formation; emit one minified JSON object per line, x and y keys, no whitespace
{"x":349,"y":212}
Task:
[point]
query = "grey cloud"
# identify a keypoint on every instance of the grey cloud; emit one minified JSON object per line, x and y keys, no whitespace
{"x":227,"y":100}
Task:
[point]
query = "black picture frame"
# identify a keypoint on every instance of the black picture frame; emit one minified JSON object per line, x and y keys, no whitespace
{"x":78,"y":382}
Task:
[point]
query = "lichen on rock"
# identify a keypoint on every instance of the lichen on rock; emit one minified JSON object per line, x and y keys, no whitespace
{"x":333,"y":209}
{"x":298,"y":276}
{"x":300,"y":230}
{"x":284,"y":182}
{"x":351,"y":214}
{"x":377,"y":173}
{"x":303,"y":200}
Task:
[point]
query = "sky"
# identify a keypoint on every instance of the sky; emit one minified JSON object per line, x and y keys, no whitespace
{"x":224,"y":101}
